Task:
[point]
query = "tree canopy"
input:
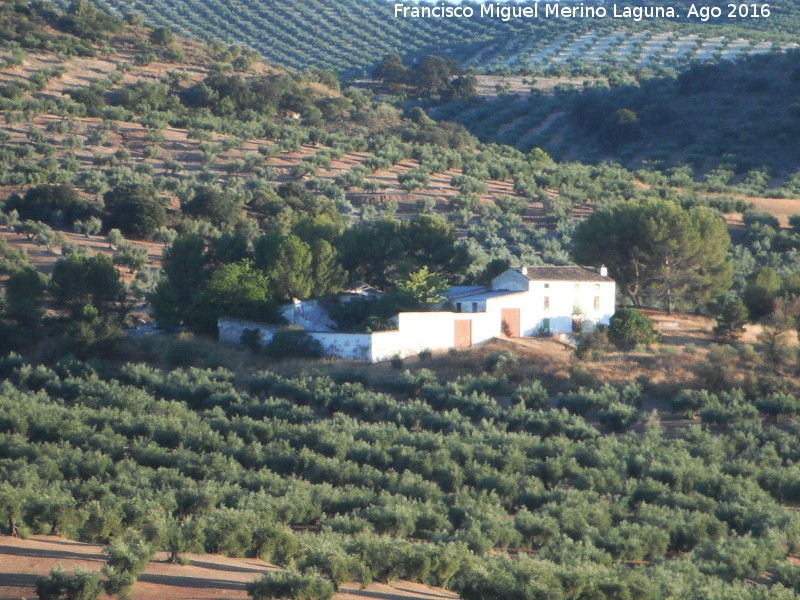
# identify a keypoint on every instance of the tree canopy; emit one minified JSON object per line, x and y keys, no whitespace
{"x":658,"y":251}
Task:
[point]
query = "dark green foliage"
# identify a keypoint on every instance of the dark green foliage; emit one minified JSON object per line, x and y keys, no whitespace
{"x":658,"y":250}
{"x":292,"y":344}
{"x":533,"y":396}
{"x":184,"y":266}
{"x":80,"y":281}
{"x":591,"y":502}
{"x":62,"y":585}
{"x":630,"y":327}
{"x":127,"y":559}
{"x":732,"y":317}
{"x":162,"y":36}
{"x":92,"y":97}
{"x":288,"y":585}
{"x":591,"y":343}
{"x":788,"y":575}
{"x":24,"y":293}
{"x":214,"y":205}
{"x":291,"y":273}
{"x":433,"y":75}
{"x":694,"y":118}
{"x":760,"y":292}
{"x":235,"y":290}
{"x":618,"y":417}
{"x":11,"y":259}
{"x":387,"y":251}
{"x":619,"y":129}
{"x":134,"y":209}
{"x":54,"y":204}
{"x":85,"y":20}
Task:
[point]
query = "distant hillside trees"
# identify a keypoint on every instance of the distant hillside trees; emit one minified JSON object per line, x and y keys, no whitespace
{"x":432,"y":76}
{"x":660,"y":251}
{"x":84,"y":20}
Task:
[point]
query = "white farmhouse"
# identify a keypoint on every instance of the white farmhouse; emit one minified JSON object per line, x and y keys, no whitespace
{"x":528,"y":300}
{"x":522,"y":301}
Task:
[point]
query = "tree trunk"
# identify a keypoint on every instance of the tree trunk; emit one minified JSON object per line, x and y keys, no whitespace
{"x":12,"y":528}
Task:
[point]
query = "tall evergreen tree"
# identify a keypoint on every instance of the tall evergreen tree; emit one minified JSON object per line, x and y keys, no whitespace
{"x":658,"y":250}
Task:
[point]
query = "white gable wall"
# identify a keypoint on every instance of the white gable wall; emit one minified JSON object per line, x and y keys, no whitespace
{"x":511,"y":280}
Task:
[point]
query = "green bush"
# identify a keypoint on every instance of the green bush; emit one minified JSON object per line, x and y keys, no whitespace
{"x":630,"y":327}
{"x":290,"y":585}
{"x":75,"y":585}
{"x":290,"y":343}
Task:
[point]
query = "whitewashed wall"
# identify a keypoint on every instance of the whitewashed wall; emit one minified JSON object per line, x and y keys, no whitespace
{"x":357,"y":346}
{"x":230,"y":330}
{"x":436,"y":330}
{"x":563,"y":298}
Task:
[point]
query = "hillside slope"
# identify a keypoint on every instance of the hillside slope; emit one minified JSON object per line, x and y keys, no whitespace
{"x":349,"y":36}
{"x":743,"y":114}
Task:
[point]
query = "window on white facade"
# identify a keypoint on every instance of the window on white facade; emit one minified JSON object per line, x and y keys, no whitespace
{"x":547,"y":302}
{"x":597,"y":302}
{"x":546,"y":285}
{"x":597,"y":287}
{"x":546,"y":324}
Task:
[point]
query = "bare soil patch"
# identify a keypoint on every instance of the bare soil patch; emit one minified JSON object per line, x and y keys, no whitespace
{"x":206,"y":577}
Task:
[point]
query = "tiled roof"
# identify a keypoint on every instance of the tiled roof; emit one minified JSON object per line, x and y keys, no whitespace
{"x":565,"y":274}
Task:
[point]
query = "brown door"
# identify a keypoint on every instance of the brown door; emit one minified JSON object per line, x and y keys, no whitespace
{"x":463,"y":333}
{"x":510,"y":321}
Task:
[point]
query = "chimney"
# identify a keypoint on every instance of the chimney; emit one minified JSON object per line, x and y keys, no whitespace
{"x":524,"y":270}
{"x":603,"y":271}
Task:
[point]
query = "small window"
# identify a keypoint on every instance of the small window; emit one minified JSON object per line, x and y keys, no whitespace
{"x":546,"y":285}
{"x":458,"y":306}
{"x":546,"y":324}
{"x":597,"y":287}
{"x":547,"y":302}
{"x":597,"y":302}
{"x":474,"y":307}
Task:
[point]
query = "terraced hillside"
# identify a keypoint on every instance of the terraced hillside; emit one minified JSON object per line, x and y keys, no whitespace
{"x":749,"y":104}
{"x":349,"y":36}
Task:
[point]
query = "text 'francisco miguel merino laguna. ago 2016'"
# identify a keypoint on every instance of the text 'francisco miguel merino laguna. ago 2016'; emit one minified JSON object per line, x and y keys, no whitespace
{"x":508,"y":12}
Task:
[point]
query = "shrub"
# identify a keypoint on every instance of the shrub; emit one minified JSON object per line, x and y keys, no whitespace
{"x":290,"y":343}
{"x":593,"y":342}
{"x":503,"y":362}
{"x":630,"y":327}
{"x":290,"y":585}
{"x":127,"y":559}
{"x":533,"y":396}
{"x":618,"y":417}
{"x":61,"y":585}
